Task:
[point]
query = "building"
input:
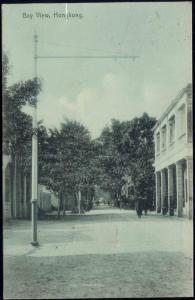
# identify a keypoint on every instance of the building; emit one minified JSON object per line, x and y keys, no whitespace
{"x":174,"y":157}
{"x":44,"y":198}
{"x":16,"y":188}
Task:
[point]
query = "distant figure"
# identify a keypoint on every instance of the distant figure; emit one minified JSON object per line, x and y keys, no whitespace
{"x":139,"y":207}
{"x":145,"y":206}
{"x":120,"y":203}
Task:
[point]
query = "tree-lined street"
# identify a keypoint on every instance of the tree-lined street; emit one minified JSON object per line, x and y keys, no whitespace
{"x":104,"y":253}
{"x":70,"y":162}
{"x":97,"y":150}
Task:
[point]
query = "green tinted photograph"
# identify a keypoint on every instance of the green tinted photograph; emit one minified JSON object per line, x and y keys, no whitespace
{"x":97,"y":156}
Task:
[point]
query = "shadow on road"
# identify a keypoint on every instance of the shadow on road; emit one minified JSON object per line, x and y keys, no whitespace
{"x":100,"y":215}
{"x":109,"y":217}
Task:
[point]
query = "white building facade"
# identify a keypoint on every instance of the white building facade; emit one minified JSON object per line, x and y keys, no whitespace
{"x":174,"y":157}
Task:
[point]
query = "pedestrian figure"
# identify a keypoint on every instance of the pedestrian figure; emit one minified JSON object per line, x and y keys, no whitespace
{"x":120,"y":203}
{"x":144,"y":205}
{"x":139,"y":207}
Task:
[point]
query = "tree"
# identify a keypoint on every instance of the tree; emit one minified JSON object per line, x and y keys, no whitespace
{"x":69,"y":162}
{"x":17,"y":126}
{"x":130,"y":148}
{"x":142,"y":169}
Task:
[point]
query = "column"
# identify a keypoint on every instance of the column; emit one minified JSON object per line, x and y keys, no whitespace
{"x":163,"y":191}
{"x":19,"y":194}
{"x":170,"y":190}
{"x":25,"y":197}
{"x":158,"y":193}
{"x":15,"y":188}
{"x":4,"y":201}
{"x":190,"y":187}
{"x":28,"y":194}
{"x":6,"y":192}
{"x":179,"y":189}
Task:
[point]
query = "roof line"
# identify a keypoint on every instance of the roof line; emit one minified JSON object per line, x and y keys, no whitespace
{"x":173,"y":102}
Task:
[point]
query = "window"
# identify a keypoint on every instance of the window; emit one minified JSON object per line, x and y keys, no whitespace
{"x":158,"y":142}
{"x":189,"y":124}
{"x":172,"y":130}
{"x":181,"y":127}
{"x":164,"y":137}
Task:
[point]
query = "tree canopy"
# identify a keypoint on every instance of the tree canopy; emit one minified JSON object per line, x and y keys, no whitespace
{"x":69,"y":159}
{"x":130,"y":147}
{"x":17,"y":125}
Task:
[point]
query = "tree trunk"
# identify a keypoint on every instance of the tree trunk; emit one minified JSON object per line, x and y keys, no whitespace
{"x":79,"y":201}
{"x":74,"y":199}
{"x":87,"y":199}
{"x":59,"y":204}
{"x":64,"y":204}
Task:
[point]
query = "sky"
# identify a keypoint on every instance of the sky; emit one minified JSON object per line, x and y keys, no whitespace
{"x":95,"y":90}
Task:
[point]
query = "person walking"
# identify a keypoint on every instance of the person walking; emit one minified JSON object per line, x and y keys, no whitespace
{"x":139,"y":207}
{"x":120,"y":203}
{"x":145,"y":206}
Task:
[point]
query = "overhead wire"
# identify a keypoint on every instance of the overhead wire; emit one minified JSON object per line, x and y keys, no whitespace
{"x":78,"y":47}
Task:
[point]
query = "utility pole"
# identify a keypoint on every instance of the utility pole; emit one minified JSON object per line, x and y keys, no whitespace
{"x":34,"y":158}
{"x":34,"y":194}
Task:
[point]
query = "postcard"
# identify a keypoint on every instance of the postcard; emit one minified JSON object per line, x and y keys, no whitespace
{"x":97,"y":150}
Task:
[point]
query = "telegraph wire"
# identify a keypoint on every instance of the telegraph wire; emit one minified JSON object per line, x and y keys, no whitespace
{"x":90,"y":49}
{"x":74,"y":46}
{"x":90,"y":56}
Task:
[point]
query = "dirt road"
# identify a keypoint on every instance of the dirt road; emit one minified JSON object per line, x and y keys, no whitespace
{"x":105,"y":253}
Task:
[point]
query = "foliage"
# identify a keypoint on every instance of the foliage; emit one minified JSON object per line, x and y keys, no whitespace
{"x":5,"y":70}
{"x":17,"y":125}
{"x":68,"y":160}
{"x":130,"y":148}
